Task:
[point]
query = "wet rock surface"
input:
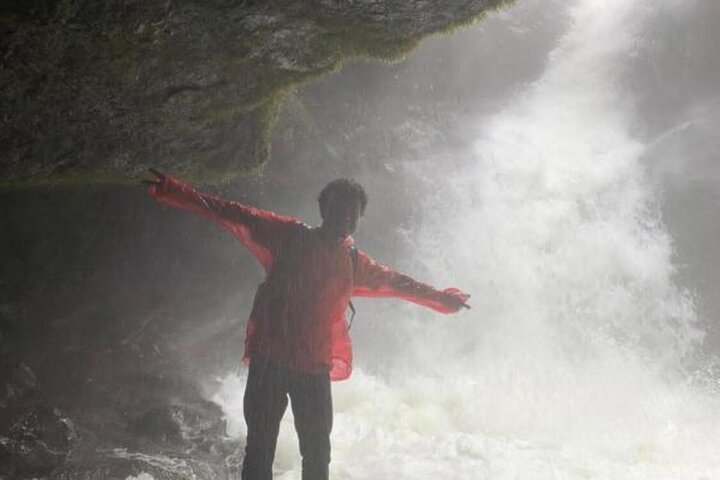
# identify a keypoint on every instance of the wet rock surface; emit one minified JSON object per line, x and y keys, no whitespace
{"x":98,"y":91}
{"x":168,"y":442}
{"x":34,"y":440}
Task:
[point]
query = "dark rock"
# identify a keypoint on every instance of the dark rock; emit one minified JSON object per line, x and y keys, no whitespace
{"x":170,"y":442}
{"x":11,"y":317}
{"x":97,"y":91}
{"x":120,"y":463}
{"x":19,"y":383}
{"x":34,"y":440}
{"x":188,"y":424}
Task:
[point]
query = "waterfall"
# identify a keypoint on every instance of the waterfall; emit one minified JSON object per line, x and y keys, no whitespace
{"x":573,"y":362}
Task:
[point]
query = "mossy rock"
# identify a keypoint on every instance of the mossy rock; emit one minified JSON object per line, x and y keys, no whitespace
{"x":95,"y":92}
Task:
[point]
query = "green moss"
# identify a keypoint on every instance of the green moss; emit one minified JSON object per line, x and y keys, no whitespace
{"x":123,"y":53}
{"x":492,"y":6}
{"x":347,"y":41}
{"x":267,"y":121}
{"x":351,"y":40}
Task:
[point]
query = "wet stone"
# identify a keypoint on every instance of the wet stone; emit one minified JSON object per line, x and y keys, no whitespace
{"x":181,"y":423}
{"x":34,"y":440}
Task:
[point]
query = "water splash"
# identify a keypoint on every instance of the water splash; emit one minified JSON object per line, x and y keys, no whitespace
{"x":572,"y":362}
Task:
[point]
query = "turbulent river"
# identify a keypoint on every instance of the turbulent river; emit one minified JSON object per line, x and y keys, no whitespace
{"x":581,"y":357}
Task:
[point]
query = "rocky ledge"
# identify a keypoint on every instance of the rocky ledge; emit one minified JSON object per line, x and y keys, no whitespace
{"x":95,"y":92}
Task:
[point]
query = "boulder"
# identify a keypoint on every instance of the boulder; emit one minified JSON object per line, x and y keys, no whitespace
{"x":34,"y":440}
{"x":95,"y":92}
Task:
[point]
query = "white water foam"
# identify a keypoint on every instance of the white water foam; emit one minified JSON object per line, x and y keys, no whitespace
{"x":572,"y":363}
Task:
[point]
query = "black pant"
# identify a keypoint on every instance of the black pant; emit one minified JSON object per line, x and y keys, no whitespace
{"x":266,"y":398}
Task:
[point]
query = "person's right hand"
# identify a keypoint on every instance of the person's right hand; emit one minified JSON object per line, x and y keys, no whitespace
{"x":157,"y":183}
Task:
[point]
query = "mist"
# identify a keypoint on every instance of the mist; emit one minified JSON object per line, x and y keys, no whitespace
{"x":557,"y":160}
{"x":560,"y":170}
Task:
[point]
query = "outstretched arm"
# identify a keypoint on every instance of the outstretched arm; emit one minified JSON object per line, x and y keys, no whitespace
{"x":260,"y":231}
{"x":373,"y":279}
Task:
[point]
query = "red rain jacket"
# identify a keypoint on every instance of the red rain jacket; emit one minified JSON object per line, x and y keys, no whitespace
{"x":298,"y":316}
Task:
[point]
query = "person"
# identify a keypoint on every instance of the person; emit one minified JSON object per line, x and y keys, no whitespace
{"x":297,"y":338}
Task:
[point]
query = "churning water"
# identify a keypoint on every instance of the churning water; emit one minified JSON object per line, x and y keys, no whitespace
{"x":578,"y":358}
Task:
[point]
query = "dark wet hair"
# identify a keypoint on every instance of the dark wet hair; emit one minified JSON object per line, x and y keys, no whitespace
{"x":342,"y":190}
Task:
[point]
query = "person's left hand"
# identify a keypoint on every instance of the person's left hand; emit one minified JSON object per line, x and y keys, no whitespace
{"x":456,"y":299}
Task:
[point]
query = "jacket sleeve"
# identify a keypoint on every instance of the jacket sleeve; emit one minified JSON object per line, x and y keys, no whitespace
{"x":260,"y":231}
{"x":372,"y":279}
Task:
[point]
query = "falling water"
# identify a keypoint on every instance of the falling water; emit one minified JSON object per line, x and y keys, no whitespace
{"x":575,"y":361}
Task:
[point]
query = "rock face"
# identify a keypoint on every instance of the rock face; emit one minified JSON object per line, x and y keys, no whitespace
{"x":98,"y":91}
